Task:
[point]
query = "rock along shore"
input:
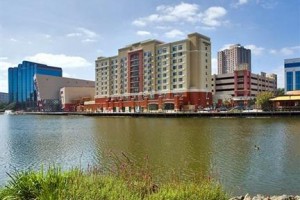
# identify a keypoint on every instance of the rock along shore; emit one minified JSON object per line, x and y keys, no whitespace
{"x":262,"y":197}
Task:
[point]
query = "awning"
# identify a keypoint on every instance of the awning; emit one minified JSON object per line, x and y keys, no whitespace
{"x":286,"y":98}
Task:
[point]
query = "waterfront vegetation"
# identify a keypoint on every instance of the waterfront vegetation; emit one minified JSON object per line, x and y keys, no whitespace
{"x":121,"y":179}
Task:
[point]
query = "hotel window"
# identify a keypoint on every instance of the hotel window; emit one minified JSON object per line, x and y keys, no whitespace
{"x":179,"y":47}
{"x":164,"y":75}
{"x":174,"y":61}
{"x":180,"y":86}
{"x":180,"y":67}
{"x":180,"y":79}
{"x":165,"y":81}
{"x":174,"y":67}
{"x":164,"y":69}
{"x":164,"y":50}
{"x":174,"y":86}
{"x":180,"y":60}
{"x":174,"y":73}
{"x":165,"y":87}
{"x":180,"y":54}
{"x":180,"y":73}
{"x":174,"y":80}
{"x":174,"y":55}
{"x":174,"y":48}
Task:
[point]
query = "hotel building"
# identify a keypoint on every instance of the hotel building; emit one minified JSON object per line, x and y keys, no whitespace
{"x":153,"y":75}
{"x":241,"y":86}
{"x":292,"y":74}
{"x":235,"y":58}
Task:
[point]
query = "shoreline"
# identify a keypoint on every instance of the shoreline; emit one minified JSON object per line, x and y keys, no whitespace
{"x":270,"y":114}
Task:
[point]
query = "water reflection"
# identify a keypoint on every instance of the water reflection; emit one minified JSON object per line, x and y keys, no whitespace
{"x":224,"y":148}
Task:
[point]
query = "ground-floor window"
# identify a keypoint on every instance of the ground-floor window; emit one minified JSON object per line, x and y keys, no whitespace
{"x":169,"y":106}
{"x":153,"y":107}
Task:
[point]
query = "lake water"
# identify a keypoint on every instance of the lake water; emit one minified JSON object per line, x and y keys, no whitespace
{"x":223,"y":148}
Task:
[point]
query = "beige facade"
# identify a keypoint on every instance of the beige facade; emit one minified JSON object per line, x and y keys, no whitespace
{"x":48,"y":90}
{"x":242,"y":84}
{"x":235,"y":58}
{"x":48,"y":87}
{"x":70,"y":94}
{"x":153,"y":67}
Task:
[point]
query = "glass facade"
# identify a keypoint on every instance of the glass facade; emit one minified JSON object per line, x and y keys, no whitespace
{"x":297,"y":80}
{"x":292,"y":74}
{"x":289,"y":81}
{"x":20,"y":80}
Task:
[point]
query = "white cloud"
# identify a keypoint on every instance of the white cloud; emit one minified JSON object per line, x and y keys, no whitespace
{"x":139,"y":22}
{"x":74,"y":34}
{"x":86,"y":34}
{"x":272,"y":51}
{"x":174,"y":33}
{"x":59,"y":60}
{"x":214,"y":66}
{"x":240,"y":2}
{"x":225,"y":46}
{"x":3,"y":73}
{"x":184,"y":13}
{"x":5,"y":65}
{"x":13,"y":40}
{"x":65,"y":74}
{"x":286,"y":51}
{"x":143,"y":33}
{"x":255,"y":50}
{"x":212,"y":16}
{"x":88,"y":40}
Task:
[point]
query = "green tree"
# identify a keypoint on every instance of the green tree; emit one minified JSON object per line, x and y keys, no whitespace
{"x":262,"y":100}
{"x":279,"y":92}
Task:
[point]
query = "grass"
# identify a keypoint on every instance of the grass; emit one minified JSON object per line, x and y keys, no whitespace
{"x":123,"y":179}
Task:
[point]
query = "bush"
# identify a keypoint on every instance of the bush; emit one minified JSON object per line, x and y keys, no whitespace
{"x":124,"y":179}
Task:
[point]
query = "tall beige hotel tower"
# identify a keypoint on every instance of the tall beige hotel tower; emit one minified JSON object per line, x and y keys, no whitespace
{"x":152,"y":76}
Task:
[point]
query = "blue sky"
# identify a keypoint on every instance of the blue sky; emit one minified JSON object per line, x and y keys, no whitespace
{"x":72,"y":33}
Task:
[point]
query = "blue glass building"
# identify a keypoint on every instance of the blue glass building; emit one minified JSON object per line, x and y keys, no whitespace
{"x":20,"y":80}
{"x":292,"y":74}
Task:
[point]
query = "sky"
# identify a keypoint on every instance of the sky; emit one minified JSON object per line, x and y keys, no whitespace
{"x":72,"y":33}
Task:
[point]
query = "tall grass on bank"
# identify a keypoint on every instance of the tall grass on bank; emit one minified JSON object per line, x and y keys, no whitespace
{"x":124,"y":179}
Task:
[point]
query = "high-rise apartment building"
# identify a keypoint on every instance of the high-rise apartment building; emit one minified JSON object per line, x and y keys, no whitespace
{"x":235,"y":58}
{"x":153,"y":75}
{"x":292,"y":74}
{"x":20,"y":81}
